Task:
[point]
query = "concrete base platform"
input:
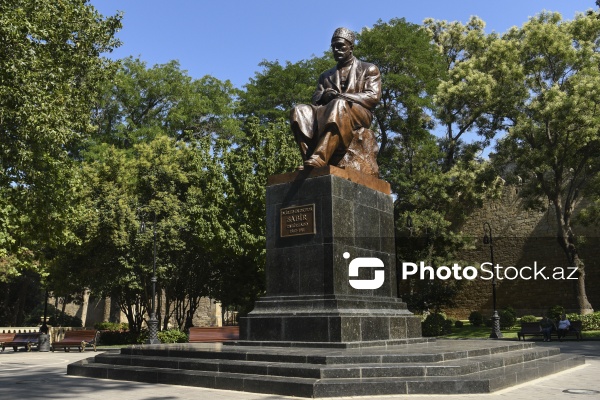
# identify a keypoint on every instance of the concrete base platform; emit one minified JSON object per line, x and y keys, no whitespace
{"x":441,"y":367}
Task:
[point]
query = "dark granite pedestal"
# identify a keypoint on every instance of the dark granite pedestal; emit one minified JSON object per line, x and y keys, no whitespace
{"x":318,"y":222}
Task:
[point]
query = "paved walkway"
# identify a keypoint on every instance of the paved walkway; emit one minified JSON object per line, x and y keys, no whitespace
{"x":43,"y":375}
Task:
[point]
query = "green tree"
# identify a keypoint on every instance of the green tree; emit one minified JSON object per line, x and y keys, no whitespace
{"x":554,"y":143}
{"x":108,"y":258}
{"x":50,"y":74}
{"x":266,"y":149}
{"x":411,"y":69}
{"x":274,"y":91}
{"x":436,"y":201}
{"x":141,"y":103}
{"x":175,"y":189}
{"x":474,"y":94}
{"x":182,"y":185}
{"x":416,"y":70}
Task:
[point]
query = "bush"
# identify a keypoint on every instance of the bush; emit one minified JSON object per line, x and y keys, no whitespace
{"x":476,"y":318}
{"x":111,"y":338}
{"x":172,"y":336}
{"x":111,"y":326}
{"x":115,"y":333}
{"x":507,"y":318}
{"x":142,"y":337}
{"x":459,"y":324}
{"x":510,"y":310}
{"x":555,"y":312}
{"x":63,"y":319}
{"x":589,"y":322}
{"x":436,"y":325}
{"x":529,"y":318}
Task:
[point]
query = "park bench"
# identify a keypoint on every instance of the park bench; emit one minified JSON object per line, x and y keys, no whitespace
{"x":27,"y":340}
{"x":533,"y":329}
{"x":6,"y":337}
{"x":529,"y":329}
{"x":213,"y":334}
{"x":79,"y":339}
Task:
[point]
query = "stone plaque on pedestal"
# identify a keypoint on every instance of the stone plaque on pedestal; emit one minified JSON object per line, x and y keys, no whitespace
{"x":325,"y":228}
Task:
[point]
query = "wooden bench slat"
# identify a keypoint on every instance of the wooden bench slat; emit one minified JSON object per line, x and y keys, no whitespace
{"x":213,"y":334}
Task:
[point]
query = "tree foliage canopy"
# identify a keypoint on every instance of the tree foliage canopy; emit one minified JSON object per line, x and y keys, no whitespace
{"x":554,"y":143}
{"x":50,"y":72}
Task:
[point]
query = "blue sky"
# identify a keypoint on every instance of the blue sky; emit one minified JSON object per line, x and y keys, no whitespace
{"x":228,"y":39}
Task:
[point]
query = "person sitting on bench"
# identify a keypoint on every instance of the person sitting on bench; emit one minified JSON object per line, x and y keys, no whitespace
{"x":563,"y":327}
{"x":547,"y":326}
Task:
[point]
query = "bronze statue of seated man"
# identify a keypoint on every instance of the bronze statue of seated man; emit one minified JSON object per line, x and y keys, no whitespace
{"x":341,"y":105}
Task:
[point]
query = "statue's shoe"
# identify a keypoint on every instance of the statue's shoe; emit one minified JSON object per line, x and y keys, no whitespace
{"x":315,"y":162}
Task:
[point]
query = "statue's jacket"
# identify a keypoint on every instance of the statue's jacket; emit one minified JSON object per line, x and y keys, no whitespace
{"x":364,"y":84}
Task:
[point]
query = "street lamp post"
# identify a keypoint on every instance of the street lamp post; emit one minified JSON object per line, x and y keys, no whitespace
{"x":152,"y":322}
{"x":496,"y":333}
{"x":44,"y":328}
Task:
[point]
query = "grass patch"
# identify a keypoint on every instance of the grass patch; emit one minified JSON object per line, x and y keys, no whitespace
{"x":467,"y":331}
{"x":590,"y":334}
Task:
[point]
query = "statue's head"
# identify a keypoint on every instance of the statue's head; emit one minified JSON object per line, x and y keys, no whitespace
{"x":342,"y":44}
{"x":343,"y":33}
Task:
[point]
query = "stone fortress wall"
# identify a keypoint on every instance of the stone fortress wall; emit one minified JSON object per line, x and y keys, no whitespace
{"x":520,"y":238}
{"x":93,"y":310}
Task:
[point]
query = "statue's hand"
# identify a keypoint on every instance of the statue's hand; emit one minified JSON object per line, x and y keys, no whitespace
{"x":329,"y":95}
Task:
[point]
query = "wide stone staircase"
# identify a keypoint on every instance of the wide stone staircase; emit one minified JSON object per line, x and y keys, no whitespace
{"x":440,"y":367}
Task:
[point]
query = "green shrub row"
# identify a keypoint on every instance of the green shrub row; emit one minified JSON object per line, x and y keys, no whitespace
{"x":589,"y":322}
{"x":172,"y":336}
{"x":118,"y":336}
{"x":112,"y":338}
{"x":112,"y":326}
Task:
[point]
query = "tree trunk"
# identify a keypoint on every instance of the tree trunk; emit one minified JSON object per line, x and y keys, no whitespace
{"x":566,"y":241}
{"x":84,"y":306}
{"x":63,"y":307}
{"x":106,"y":312}
{"x":19,"y":313}
{"x":585,"y":307}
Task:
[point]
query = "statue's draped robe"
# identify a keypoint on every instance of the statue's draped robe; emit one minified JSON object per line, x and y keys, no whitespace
{"x":343,"y":115}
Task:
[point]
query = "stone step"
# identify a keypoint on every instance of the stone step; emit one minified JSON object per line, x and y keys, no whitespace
{"x":442,"y":350}
{"x":351,"y":370}
{"x":476,"y":382}
{"x":287,"y":386}
{"x":480,"y":382}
